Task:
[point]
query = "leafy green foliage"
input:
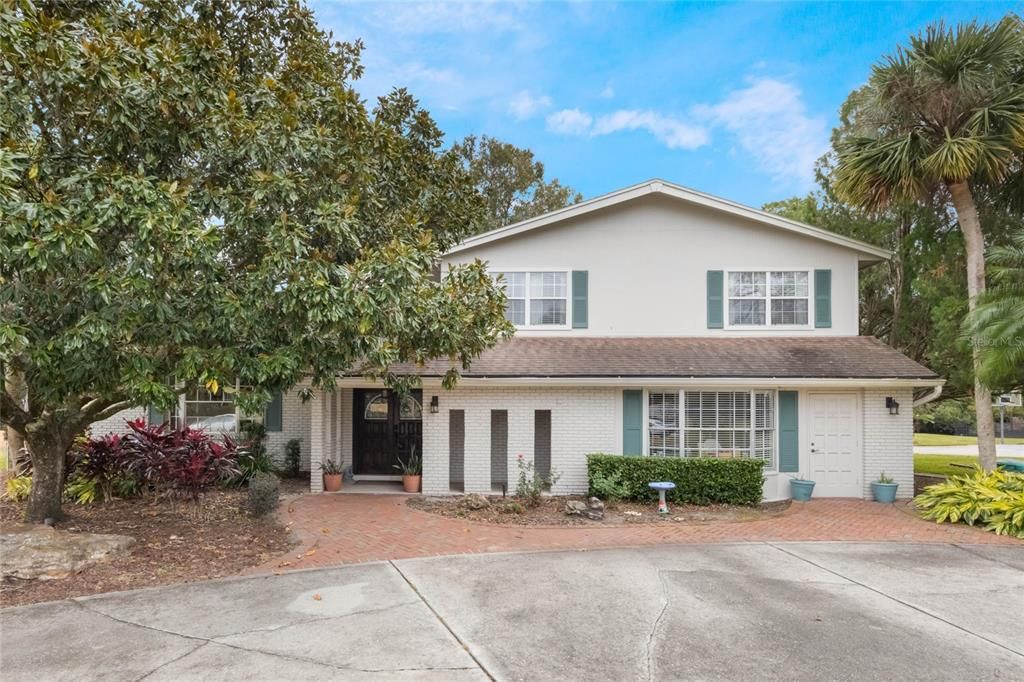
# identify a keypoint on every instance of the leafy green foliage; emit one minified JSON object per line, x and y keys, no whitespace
{"x":996,"y":325}
{"x":263,"y":494}
{"x":946,"y":109}
{"x":413,"y":466}
{"x":330,"y":467}
{"x":994,"y":501}
{"x":698,"y":480}
{"x":81,"y":490}
{"x":608,"y":485}
{"x":511,"y":182}
{"x":18,"y":487}
{"x":531,"y":483}
{"x":293,"y":457}
{"x":252,"y":455}
{"x":194,"y":192}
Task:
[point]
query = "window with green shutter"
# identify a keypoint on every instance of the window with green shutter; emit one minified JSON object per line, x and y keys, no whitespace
{"x":822,"y":299}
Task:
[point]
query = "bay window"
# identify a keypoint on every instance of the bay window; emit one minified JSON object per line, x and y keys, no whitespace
{"x":728,"y":424}
{"x":536,"y":299}
{"x":767,"y":298}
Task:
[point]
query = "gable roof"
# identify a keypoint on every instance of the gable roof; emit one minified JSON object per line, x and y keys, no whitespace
{"x":867,"y":251}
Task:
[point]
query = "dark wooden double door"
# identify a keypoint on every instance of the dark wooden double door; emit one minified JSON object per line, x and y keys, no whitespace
{"x":387,"y":428}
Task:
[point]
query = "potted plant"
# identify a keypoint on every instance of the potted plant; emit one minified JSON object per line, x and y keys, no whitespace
{"x":332,"y":475}
{"x":884,"y":489}
{"x":412,"y":472}
{"x":801,"y":489}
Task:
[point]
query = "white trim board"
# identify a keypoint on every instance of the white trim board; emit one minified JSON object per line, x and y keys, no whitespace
{"x":867,"y":252}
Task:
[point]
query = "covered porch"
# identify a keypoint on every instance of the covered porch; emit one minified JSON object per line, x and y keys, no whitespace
{"x":367,"y":430}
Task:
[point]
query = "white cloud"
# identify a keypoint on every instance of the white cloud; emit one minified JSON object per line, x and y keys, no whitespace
{"x":771,"y":123}
{"x":524,"y":105}
{"x":608,"y":92}
{"x":672,"y":132}
{"x":570,"y":122}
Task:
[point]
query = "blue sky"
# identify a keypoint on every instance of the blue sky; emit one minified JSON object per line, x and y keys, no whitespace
{"x":733,"y":99}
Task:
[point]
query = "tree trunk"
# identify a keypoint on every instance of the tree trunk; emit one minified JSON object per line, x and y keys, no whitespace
{"x":48,"y":447}
{"x":970,"y":225}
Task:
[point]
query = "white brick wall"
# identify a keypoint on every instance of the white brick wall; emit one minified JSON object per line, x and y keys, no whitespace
{"x":582,"y":421}
{"x":889,"y":440}
{"x":116,"y":424}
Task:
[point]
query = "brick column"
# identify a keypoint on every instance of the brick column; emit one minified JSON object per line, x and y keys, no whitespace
{"x":316,"y":441}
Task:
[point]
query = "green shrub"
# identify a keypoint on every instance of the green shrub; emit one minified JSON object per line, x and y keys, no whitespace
{"x":608,"y":486}
{"x":994,"y":501}
{"x":263,"y":493}
{"x":701,"y":480}
{"x":19,"y":487}
{"x":293,"y":457}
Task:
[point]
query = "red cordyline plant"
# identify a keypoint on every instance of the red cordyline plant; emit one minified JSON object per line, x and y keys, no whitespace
{"x":186,"y":459}
{"x":101,"y":460}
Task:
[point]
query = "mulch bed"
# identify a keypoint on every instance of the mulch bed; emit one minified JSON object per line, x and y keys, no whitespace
{"x":172,"y":544}
{"x":551,"y":512}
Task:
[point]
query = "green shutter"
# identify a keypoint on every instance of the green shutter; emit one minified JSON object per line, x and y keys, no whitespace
{"x":155,"y":417}
{"x":273,"y":417}
{"x":579,"y":299}
{"x":789,"y":431}
{"x":632,"y":422}
{"x":716,"y":303}
{"x":822,"y":299}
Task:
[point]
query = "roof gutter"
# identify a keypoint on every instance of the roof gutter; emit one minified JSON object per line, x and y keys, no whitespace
{"x":709,"y":382}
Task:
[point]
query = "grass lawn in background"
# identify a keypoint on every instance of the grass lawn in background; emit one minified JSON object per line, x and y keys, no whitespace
{"x":942,"y":465}
{"x":942,"y":439}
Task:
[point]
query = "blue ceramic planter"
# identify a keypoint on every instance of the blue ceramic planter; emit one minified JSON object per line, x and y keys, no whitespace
{"x":884,"y":492}
{"x":801,"y":490}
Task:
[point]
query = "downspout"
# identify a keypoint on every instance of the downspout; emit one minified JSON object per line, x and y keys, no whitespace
{"x":931,"y":395}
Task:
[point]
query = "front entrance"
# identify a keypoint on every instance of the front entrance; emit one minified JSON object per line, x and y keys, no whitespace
{"x":386,"y":429}
{"x":834,"y":460}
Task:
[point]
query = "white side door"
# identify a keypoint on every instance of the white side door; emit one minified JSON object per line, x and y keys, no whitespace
{"x":835,"y":461}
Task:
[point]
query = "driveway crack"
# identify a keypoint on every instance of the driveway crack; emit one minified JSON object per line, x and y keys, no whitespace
{"x":203,"y":641}
{"x":442,"y":621}
{"x":656,"y":625}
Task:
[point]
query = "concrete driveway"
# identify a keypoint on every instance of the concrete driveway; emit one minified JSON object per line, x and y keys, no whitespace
{"x":748,"y":611}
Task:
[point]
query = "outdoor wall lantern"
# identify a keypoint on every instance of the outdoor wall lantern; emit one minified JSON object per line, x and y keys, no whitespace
{"x":433,"y":404}
{"x":890,"y":402}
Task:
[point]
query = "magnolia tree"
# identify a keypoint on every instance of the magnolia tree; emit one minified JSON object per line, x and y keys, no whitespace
{"x":194,"y":195}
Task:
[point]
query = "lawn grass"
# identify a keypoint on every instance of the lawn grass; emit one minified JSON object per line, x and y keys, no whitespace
{"x":941,"y":439}
{"x":942,"y":465}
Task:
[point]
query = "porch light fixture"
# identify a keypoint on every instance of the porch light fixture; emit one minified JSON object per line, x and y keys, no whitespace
{"x":894,"y":407}
{"x":433,"y":404}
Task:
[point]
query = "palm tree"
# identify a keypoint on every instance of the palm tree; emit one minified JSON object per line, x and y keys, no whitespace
{"x":945,"y":113}
{"x":996,"y":325}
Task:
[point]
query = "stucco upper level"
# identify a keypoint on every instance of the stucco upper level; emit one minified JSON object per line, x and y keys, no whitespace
{"x":642,"y":260}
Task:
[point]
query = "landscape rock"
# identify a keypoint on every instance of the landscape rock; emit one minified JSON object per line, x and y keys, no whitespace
{"x":575,"y":508}
{"x":474,"y":501}
{"x":595,"y":504}
{"x":45,"y":553}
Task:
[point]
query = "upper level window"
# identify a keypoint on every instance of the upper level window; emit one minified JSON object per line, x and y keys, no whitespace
{"x":536,"y":299}
{"x":759,"y":298}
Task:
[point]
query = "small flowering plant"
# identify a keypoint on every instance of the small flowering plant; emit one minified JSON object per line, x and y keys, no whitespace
{"x":532,"y":483}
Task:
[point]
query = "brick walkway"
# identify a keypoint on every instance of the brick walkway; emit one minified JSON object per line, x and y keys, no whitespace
{"x":339,"y":529}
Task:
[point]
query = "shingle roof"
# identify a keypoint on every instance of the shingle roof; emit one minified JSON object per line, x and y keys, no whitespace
{"x":832,"y":357}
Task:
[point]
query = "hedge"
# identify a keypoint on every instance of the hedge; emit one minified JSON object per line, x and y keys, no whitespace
{"x":702,"y":480}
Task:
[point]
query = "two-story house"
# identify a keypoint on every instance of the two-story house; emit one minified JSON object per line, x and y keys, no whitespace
{"x":654,"y":321}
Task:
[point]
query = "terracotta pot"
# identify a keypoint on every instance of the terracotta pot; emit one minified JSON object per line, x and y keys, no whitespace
{"x":332,"y":483}
{"x":411,"y":483}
